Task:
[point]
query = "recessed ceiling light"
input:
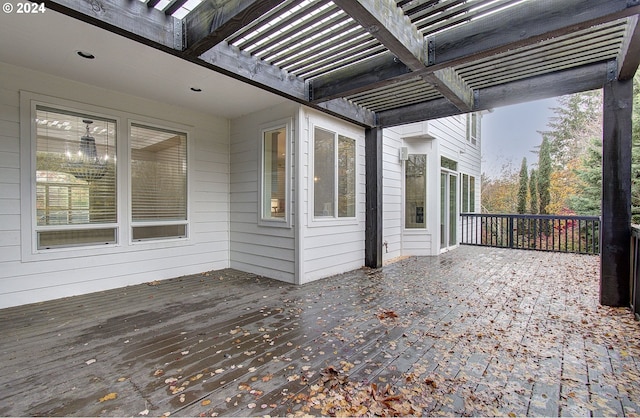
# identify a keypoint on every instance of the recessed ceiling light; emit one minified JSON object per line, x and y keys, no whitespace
{"x":87,"y":55}
{"x":196,"y":89}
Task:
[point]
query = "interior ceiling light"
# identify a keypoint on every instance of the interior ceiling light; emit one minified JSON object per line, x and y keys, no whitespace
{"x":86,"y":55}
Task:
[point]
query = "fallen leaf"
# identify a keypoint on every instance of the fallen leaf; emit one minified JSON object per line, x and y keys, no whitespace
{"x":109,"y":397}
{"x":205,"y":402}
{"x":145,"y":412}
{"x":90,"y":361}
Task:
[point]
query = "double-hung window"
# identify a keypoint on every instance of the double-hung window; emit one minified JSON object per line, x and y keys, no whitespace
{"x":334,"y":175}
{"x":158,"y":183}
{"x":75,"y":172}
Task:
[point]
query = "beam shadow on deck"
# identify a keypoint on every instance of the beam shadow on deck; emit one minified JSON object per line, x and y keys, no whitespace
{"x":476,"y":331}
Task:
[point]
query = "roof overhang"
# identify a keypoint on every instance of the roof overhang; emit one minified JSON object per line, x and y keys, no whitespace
{"x":389,"y":62}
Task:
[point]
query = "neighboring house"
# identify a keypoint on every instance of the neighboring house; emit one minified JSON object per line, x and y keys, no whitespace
{"x":107,"y":190}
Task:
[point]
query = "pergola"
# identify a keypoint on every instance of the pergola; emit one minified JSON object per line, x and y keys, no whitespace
{"x":381,"y":63}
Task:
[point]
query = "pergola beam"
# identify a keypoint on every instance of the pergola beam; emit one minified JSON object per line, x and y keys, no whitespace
{"x":132,"y":19}
{"x":235,"y":63}
{"x":520,"y":25}
{"x":389,"y":25}
{"x":384,"y":20}
{"x":449,"y":83}
{"x":213,"y":21}
{"x":570,"y":81}
{"x":629,"y":57}
{"x":136,"y":21}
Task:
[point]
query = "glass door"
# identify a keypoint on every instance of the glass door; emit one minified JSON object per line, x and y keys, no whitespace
{"x":448,"y":209}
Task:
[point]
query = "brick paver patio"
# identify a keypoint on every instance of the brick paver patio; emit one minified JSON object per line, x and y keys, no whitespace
{"x":476,"y":331}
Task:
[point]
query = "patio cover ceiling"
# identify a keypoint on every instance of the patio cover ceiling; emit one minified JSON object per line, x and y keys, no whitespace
{"x":388,"y":62}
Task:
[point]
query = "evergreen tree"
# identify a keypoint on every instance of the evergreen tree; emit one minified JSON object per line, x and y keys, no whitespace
{"x":576,"y":120}
{"x":588,"y":200}
{"x":544,"y":175}
{"x":533,"y":191}
{"x":523,"y":187}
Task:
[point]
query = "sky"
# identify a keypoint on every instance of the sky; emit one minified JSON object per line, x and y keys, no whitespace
{"x":510,"y":133}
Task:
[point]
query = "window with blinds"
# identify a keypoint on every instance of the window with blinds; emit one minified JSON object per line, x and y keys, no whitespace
{"x":158,"y":183}
{"x":75,"y":179}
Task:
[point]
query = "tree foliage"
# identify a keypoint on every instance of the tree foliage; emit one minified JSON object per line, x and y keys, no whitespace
{"x":533,"y":191}
{"x":577,"y":119}
{"x":544,"y":175}
{"x":523,"y":187}
{"x":499,"y":195}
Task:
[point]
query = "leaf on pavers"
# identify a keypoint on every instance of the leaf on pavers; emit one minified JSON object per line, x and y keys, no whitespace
{"x":205,"y":402}
{"x":88,"y":362}
{"x":144,"y":413}
{"x":244,"y":386}
{"x":293,"y":377}
{"x":386,"y":314}
{"x":109,"y":397}
{"x":153,"y":283}
{"x":267,"y":377}
{"x":158,"y":372}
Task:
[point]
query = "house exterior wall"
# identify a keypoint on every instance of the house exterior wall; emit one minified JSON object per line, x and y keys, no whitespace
{"x":27,"y":277}
{"x":446,"y":137}
{"x":267,"y":250}
{"x":328,"y":246}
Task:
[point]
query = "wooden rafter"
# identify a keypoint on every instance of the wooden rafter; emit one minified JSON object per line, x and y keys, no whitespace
{"x":520,"y":25}
{"x":132,"y":19}
{"x":389,"y":25}
{"x":629,"y":57}
{"x":152,"y":27}
{"x":211,"y":22}
{"x":174,"y":6}
{"x":386,"y":22}
{"x":569,"y":81}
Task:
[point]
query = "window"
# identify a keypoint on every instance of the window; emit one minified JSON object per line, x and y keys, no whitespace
{"x":334,"y":175}
{"x":415,"y":174}
{"x":472,"y":128}
{"x":75,"y":174}
{"x":468,"y":198}
{"x":448,"y":164}
{"x":274,"y":202}
{"x":158,"y":183}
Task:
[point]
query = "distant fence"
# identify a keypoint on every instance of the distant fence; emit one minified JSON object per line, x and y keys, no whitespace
{"x":635,"y":269}
{"x":570,"y":234}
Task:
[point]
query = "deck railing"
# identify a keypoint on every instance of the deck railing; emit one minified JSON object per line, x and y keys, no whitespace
{"x":572,"y":234}
{"x":635,"y":269}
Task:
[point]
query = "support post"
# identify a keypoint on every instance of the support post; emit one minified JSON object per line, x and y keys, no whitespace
{"x":615,"y":253}
{"x":373,"y":228}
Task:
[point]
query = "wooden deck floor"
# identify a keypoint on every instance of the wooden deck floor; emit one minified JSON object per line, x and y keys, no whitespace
{"x":476,"y":331}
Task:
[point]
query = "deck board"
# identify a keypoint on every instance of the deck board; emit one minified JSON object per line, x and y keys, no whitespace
{"x":475,"y":331}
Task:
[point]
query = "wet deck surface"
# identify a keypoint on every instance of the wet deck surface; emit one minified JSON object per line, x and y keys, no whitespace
{"x":475,"y":331}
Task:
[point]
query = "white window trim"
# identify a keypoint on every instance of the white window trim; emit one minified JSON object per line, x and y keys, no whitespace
{"x":152,"y":123}
{"x":286,"y":221}
{"x":29,"y":252}
{"x":337,"y":130}
{"x":421,"y":230}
